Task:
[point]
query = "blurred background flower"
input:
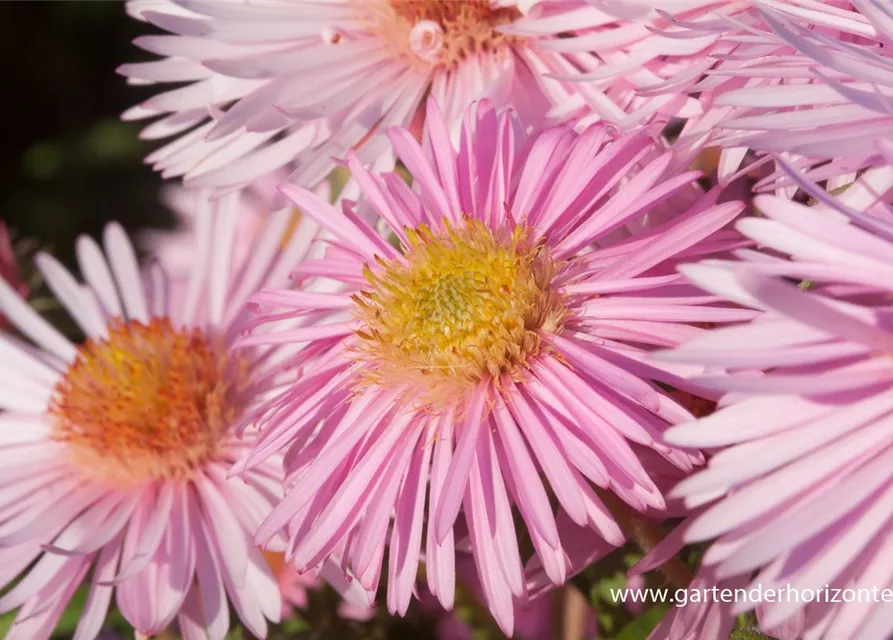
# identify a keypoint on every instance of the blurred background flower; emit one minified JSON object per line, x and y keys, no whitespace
{"x":69,"y":165}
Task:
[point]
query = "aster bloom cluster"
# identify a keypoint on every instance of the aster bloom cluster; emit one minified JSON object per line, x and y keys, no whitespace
{"x":451,"y":315}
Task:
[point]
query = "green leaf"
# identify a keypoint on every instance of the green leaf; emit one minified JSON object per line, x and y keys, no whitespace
{"x":6,"y":622}
{"x":72,"y":614}
{"x":639,"y":628}
{"x":293,"y":625}
{"x":748,"y":634}
{"x":235,"y":634}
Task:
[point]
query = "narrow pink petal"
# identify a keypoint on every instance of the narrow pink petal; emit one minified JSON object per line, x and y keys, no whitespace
{"x":406,"y":536}
{"x":38,"y":616}
{"x":97,"y":274}
{"x":440,"y":557}
{"x":94,"y":612}
{"x":735,"y":465}
{"x":838,"y":555}
{"x":226,"y":529}
{"x":815,"y":312}
{"x":125,"y":268}
{"x":546,"y":449}
{"x":335,"y":222}
{"x":302,"y":334}
{"x":90,"y":530}
{"x":772,"y":490}
{"x":551,"y":556}
{"x":32,"y":325}
{"x":532,"y":499}
{"x":153,"y":522}
{"x":457,"y":476}
{"x":499,"y":515}
{"x":496,"y":589}
{"x":72,"y":296}
{"x":190,"y":621}
{"x":365,"y":411}
{"x":346,"y":506}
{"x":374,"y":526}
{"x":586,"y":357}
{"x":615,"y":447}
{"x":443,"y":156}
{"x":41,"y":574}
{"x":812,"y":517}
{"x":210,"y":584}
{"x":553,"y":418}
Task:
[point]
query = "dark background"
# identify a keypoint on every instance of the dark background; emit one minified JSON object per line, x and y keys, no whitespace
{"x":69,"y":165}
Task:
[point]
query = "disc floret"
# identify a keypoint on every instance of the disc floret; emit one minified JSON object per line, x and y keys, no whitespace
{"x":459,"y":305}
{"x":149,"y":401}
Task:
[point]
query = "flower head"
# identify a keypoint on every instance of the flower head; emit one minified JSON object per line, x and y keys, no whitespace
{"x":638,"y":64}
{"x":493,"y":359}
{"x":807,"y":79}
{"x":801,"y":489}
{"x":115,"y":452}
{"x":290,"y":85}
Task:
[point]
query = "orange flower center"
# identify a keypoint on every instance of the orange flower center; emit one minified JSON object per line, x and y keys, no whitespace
{"x":147,"y":402}
{"x":440,"y":32}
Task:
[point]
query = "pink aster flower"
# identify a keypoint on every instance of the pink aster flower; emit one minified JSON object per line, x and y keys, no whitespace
{"x":808,"y":79}
{"x":636,"y":64}
{"x":175,"y":250}
{"x":801,"y":488}
{"x":494,"y":359}
{"x":250,"y":209}
{"x":114,"y":455}
{"x":275,"y":84}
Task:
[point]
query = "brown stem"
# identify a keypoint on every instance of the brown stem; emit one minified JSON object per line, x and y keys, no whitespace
{"x":575,"y":610}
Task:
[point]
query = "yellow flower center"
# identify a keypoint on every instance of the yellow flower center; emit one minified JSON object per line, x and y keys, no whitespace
{"x":439,"y":32}
{"x":459,"y":306}
{"x":148,"y":402}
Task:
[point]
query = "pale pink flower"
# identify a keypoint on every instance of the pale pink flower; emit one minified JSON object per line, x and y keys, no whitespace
{"x":637,"y":64}
{"x":805,"y":78}
{"x":495,"y":357}
{"x":175,"y":249}
{"x":801,"y":488}
{"x":115,"y":454}
{"x":276,"y":84}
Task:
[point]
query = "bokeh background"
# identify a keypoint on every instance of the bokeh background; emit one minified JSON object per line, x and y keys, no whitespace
{"x":69,"y":165}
